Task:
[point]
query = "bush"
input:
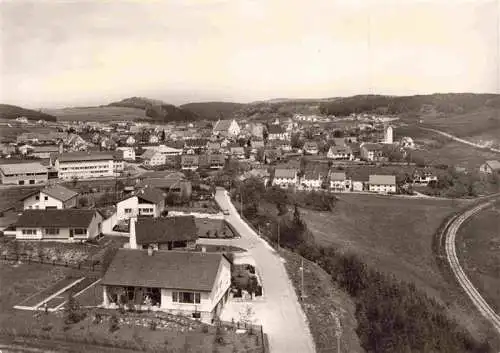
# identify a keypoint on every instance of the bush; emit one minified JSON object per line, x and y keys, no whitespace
{"x":153,"y":325}
{"x":114,"y":324}
{"x":73,"y":310}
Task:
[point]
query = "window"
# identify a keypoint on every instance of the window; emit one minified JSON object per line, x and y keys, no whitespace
{"x":46,"y":198}
{"x":52,"y":231}
{"x":80,"y":231}
{"x":186,"y":297}
{"x":29,"y":231}
{"x":128,"y":210}
{"x":37,"y":197}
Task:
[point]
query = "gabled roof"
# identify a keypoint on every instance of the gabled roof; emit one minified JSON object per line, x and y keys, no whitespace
{"x":59,"y":192}
{"x":148,"y":194}
{"x":164,"y":269}
{"x":382,"y":179}
{"x":148,"y":154}
{"x":64,"y":218}
{"x":223,"y":125}
{"x":493,"y":164}
{"x":337,"y":176}
{"x":372,"y":146}
{"x":285,"y":173}
{"x":162,"y":230}
{"x":275,"y":129}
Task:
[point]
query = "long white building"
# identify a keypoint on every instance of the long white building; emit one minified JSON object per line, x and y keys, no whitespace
{"x":85,"y":165}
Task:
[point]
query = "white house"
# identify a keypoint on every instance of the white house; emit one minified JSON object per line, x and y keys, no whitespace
{"x":424,"y":178}
{"x":181,"y":282}
{"x":71,"y":225}
{"x":311,"y":147}
{"x":130,"y":140}
{"x":382,"y":183}
{"x":285,"y":178}
{"x":340,"y":153}
{"x":339,"y":182}
{"x":153,"y":157}
{"x":490,"y":167}
{"x":312,"y":180}
{"x":50,"y":197}
{"x":128,"y":153}
{"x":146,"y":202}
{"x":226,"y":128}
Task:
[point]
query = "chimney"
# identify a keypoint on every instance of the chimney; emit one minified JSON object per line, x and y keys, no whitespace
{"x":132,"y":239}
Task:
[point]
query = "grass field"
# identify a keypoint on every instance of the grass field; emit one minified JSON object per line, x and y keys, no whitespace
{"x":478,"y":248}
{"x":395,"y":236}
{"x":98,"y":113}
{"x":469,"y":124}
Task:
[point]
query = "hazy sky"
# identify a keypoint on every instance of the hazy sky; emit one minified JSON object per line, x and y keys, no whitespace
{"x":58,"y":53}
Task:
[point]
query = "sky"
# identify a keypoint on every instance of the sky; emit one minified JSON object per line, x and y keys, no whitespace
{"x":73,"y":53}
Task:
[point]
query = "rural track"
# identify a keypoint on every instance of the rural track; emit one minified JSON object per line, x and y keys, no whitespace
{"x":458,"y":139}
{"x":450,"y":231}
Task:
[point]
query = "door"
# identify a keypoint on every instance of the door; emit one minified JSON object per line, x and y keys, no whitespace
{"x":71,"y":233}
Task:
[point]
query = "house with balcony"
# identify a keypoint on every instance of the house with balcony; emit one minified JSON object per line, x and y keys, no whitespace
{"x":285,"y":178}
{"x":339,"y":182}
{"x":67,"y":225}
{"x":171,"y":233}
{"x":382,"y":184}
{"x":180,"y":282}
{"x":50,"y":197}
{"x":147,"y":202}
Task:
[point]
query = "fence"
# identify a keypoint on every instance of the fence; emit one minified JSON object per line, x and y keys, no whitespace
{"x":253,"y":328}
{"x":83,"y":265}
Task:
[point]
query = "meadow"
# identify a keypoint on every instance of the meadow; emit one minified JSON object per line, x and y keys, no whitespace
{"x":478,"y":246}
{"x":395,"y":236}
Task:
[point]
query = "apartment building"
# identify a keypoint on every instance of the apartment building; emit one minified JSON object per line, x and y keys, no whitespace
{"x":85,"y":165}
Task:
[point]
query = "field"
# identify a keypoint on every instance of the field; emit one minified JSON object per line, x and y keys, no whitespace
{"x":466,"y":125}
{"x":395,"y":236}
{"x":478,"y":248}
{"x":98,"y":113}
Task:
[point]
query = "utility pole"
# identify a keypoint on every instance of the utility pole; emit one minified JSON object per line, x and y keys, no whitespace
{"x":301,"y":268}
{"x":278,"y":235}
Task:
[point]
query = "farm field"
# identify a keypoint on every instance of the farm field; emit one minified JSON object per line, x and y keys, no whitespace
{"x":478,"y":249}
{"x":465,"y":125}
{"x":454,"y":153}
{"x":395,"y":236}
{"x":98,"y":113}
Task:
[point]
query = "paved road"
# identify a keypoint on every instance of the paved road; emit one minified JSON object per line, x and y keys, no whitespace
{"x":280,"y":312}
{"x":459,"y":273}
{"x":458,"y":139}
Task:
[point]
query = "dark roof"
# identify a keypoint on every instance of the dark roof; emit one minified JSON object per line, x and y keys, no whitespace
{"x":164,"y":269}
{"x":85,"y":156}
{"x":56,"y":218}
{"x":59,"y":192}
{"x":162,"y":230}
{"x":275,"y":129}
{"x":151,"y":194}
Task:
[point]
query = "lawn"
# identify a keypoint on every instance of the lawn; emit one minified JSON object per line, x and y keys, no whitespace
{"x":395,"y":236}
{"x":478,"y":249}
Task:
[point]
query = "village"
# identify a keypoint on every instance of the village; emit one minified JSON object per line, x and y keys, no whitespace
{"x":142,"y":212}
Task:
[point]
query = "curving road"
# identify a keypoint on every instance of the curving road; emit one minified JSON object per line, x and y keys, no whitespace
{"x":451,"y":255}
{"x":458,"y":139}
{"x":279,"y":312}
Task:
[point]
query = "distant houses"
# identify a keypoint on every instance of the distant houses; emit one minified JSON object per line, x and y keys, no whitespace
{"x":24,"y":173}
{"x":285,"y":178}
{"x":490,"y":167}
{"x":226,"y":128}
{"x":382,"y":183}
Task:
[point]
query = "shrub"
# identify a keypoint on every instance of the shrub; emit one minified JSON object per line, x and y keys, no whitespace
{"x":114,"y":324}
{"x":153,"y":325}
{"x":219,"y":335}
{"x":73,"y":310}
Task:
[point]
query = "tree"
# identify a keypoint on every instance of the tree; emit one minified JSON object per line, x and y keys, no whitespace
{"x":73,"y":310}
{"x":163,"y":136}
{"x":295,"y":141}
{"x":260,"y":155}
{"x":83,"y":202}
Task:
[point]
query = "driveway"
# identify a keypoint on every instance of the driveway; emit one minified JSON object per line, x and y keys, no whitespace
{"x":279,"y":312}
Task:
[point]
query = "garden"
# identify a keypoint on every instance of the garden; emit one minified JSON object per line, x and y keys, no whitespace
{"x":244,"y":282}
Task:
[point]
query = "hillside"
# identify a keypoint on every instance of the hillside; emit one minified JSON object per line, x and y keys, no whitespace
{"x":8,"y":111}
{"x":214,"y":110}
{"x":157,"y":110}
{"x":98,"y":113}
